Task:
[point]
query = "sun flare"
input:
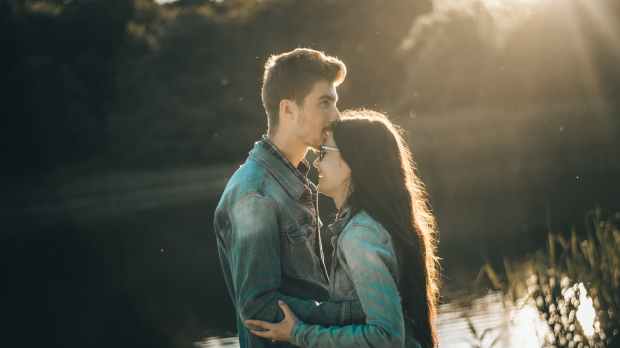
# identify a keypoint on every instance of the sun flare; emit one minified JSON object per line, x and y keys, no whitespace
{"x":490,"y":4}
{"x":512,"y":2}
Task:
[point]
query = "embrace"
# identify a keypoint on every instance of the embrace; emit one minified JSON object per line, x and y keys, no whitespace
{"x":381,"y":287}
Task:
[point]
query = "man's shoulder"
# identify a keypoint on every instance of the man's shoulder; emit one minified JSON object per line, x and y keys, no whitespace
{"x":252,"y":178}
{"x":249,"y":178}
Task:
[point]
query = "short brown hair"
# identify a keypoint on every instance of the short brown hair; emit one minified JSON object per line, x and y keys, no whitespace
{"x":291,"y":75}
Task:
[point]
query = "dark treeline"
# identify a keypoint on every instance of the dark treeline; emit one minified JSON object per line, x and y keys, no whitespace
{"x":142,"y":84}
{"x":58,"y":85}
{"x":133,"y":83}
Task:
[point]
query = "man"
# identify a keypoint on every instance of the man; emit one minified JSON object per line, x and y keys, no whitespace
{"x":266,"y":222}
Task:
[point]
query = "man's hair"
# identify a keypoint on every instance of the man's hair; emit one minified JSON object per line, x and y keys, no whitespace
{"x":291,"y":75}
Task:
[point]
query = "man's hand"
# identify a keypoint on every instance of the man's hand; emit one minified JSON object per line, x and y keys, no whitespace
{"x":274,"y":331}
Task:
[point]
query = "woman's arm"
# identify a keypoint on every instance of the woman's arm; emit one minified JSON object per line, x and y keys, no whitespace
{"x":369,"y":259}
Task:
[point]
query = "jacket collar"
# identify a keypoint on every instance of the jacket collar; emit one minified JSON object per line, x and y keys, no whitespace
{"x":292,"y":179}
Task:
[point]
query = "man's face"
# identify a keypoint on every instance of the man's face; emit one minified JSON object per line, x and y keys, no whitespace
{"x":317,"y":113}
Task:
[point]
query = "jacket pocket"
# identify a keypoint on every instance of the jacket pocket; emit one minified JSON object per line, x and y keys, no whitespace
{"x":299,"y":233}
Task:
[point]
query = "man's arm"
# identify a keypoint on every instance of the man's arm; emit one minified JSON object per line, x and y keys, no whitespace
{"x":256,"y":270}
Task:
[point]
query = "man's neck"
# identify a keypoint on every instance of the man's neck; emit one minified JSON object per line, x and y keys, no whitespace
{"x":289,"y":147}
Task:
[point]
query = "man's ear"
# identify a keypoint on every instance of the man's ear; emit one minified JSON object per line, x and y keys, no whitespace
{"x":288,"y":109}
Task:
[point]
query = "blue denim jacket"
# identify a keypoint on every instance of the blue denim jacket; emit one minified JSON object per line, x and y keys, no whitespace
{"x":365,"y":268}
{"x":267,"y":248}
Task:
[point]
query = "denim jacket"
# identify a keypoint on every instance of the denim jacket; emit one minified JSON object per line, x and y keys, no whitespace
{"x":365,"y":268}
{"x":267,"y":248}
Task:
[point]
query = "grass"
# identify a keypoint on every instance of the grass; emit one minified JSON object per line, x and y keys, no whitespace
{"x":572,"y":278}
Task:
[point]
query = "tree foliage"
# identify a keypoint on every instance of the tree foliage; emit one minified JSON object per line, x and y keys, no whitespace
{"x":134,"y":83}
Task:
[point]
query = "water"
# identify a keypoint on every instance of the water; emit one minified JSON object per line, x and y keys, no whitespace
{"x":129,"y":257}
{"x":494,"y":320}
{"x":217,"y":342}
{"x":504,"y":325}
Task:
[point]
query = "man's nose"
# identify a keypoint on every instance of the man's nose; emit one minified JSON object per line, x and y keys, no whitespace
{"x":336,"y":115}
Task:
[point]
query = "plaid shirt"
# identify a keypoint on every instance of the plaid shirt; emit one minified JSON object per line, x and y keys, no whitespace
{"x":309,"y":198}
{"x":302,"y":169}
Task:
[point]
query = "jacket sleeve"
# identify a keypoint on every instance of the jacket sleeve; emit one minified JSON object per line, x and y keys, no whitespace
{"x":368,"y":258}
{"x":254,"y":259}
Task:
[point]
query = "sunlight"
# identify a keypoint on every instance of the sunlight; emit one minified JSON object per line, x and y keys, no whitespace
{"x":490,"y":4}
{"x":607,"y":25}
{"x":582,"y":49}
{"x":507,"y":325}
{"x":506,"y":15}
{"x":586,"y":314}
{"x":528,"y":329}
{"x":573,"y":18}
{"x":218,"y":342}
{"x":513,"y":2}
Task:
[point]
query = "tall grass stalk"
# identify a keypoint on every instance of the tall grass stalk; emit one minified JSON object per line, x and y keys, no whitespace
{"x":572,"y":278}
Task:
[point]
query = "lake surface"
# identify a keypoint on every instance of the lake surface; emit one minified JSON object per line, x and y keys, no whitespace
{"x":513,"y":326}
{"x":130,"y":257}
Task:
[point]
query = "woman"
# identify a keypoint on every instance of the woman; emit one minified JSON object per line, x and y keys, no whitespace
{"x":384,"y":252}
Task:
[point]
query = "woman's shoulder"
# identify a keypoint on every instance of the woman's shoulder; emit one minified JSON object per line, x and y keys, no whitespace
{"x":365,"y":240}
{"x":363,"y":226}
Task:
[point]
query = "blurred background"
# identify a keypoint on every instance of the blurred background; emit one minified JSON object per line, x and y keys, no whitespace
{"x":123,"y":120}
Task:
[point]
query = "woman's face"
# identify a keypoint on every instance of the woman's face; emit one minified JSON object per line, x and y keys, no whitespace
{"x":334,"y":173}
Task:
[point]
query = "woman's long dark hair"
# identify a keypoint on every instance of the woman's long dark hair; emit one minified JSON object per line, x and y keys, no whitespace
{"x":385,"y":185}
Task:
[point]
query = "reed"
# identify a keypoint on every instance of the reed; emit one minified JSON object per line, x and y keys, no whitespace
{"x":574,"y":283}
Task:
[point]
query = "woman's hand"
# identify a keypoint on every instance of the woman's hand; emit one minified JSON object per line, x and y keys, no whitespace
{"x":275,"y":331}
